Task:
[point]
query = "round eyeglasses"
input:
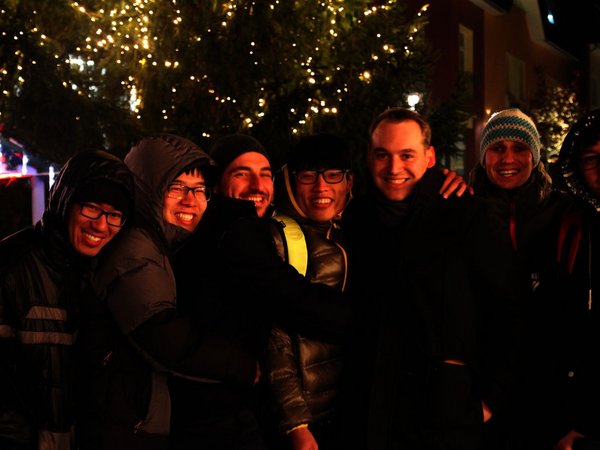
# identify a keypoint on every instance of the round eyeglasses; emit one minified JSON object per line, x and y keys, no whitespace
{"x":179,"y":191}
{"x":331,"y":176}
{"x":91,"y":211}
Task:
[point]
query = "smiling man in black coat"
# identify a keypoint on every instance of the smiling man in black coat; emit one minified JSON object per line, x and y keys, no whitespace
{"x":433,"y":360}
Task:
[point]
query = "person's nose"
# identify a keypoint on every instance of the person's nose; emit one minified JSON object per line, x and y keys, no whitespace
{"x":258,"y":183}
{"x":396,"y":164}
{"x":508,"y":155}
{"x":320,"y":183}
{"x":101,"y":223}
{"x":188,"y":198}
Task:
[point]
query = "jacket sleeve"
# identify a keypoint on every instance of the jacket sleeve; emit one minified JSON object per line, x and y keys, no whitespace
{"x":142,"y":302}
{"x":313,"y":309}
{"x":284,"y":381}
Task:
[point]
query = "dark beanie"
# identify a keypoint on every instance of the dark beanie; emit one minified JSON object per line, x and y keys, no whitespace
{"x":320,"y":151}
{"x":228,"y":148}
{"x":104,"y":191}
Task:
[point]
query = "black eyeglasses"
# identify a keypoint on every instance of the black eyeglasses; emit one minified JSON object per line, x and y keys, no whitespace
{"x":90,"y":211}
{"x":331,"y":176}
{"x":589,"y":162}
{"x":179,"y":191}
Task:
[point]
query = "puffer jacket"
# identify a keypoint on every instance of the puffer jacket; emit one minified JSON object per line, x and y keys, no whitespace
{"x":134,"y":336}
{"x":304,"y":374}
{"x":41,"y":281}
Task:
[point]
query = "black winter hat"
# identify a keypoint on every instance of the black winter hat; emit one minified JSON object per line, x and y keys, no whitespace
{"x":104,"y":191}
{"x":227,"y":148}
{"x":320,"y":151}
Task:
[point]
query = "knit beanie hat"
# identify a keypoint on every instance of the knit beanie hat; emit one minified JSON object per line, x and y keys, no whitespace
{"x":104,"y":191}
{"x":228,"y":148}
{"x":320,"y":151}
{"x":513,"y":125}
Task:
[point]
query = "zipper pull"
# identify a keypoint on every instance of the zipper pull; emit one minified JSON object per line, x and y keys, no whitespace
{"x":106,"y":358}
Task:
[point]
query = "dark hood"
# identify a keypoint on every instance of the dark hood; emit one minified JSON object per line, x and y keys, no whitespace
{"x":580,"y":135}
{"x":155,"y":162}
{"x":79,"y":172}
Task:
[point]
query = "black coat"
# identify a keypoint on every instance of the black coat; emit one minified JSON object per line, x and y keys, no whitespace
{"x":529,"y":218}
{"x":41,"y":280}
{"x":231,"y":279}
{"x":578,"y":293}
{"x":133,"y":338}
{"x":440,"y":288}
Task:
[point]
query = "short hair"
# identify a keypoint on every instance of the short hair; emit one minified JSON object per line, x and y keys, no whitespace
{"x":203,"y":168}
{"x":396,"y":115}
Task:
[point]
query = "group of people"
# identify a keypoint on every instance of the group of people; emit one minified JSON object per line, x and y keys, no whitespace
{"x":181,"y":299}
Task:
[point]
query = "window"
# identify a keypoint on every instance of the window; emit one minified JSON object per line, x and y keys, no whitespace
{"x":516,"y":80}
{"x":465,"y":49}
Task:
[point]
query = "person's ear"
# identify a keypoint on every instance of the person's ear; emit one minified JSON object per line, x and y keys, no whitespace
{"x":430,"y":153}
{"x":350,"y":181}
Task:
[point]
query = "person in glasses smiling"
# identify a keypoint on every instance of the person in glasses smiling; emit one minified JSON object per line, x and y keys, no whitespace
{"x":41,"y":280}
{"x":134,"y":337}
{"x":182,"y":209}
{"x":304,"y":373}
{"x":576,"y":392}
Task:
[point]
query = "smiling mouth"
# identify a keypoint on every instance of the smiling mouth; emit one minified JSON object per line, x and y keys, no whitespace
{"x":396,"y":181}
{"x":254,"y":198}
{"x":322,"y":201}
{"x":185,"y":217}
{"x":507,"y":172}
{"x":92,"y":238}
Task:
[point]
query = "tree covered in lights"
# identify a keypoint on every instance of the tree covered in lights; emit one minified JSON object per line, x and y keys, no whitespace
{"x":554,"y":110}
{"x":100,"y":73}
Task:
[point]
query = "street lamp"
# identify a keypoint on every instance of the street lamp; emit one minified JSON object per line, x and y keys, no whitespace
{"x":413,"y":99}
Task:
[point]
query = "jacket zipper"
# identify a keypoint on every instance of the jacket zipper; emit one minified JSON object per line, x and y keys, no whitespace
{"x":512,"y":224}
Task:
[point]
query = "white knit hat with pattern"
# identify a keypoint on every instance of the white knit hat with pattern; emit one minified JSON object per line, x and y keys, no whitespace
{"x":510,"y":125}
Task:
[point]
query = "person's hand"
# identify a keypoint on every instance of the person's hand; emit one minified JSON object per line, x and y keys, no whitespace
{"x":303,"y":439}
{"x":454,"y":184}
{"x":257,"y":375}
{"x":487,"y":412}
{"x":566,"y":443}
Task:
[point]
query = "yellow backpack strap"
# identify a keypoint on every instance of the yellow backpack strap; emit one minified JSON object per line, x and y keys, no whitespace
{"x":295,"y":242}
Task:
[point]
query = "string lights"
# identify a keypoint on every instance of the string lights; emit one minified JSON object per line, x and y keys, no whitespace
{"x":132,"y":41}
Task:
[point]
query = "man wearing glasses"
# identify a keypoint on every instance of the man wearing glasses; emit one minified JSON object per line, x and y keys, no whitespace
{"x":41,"y":278}
{"x":576,"y":394}
{"x":134,"y":336}
{"x":303,"y":373}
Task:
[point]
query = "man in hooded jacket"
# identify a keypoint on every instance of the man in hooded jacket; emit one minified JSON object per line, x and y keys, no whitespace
{"x":136,"y":338}
{"x":576,"y":395}
{"x":41,"y":279}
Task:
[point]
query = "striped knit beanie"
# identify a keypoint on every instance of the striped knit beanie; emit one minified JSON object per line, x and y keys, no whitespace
{"x":512,"y":125}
